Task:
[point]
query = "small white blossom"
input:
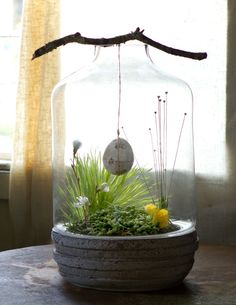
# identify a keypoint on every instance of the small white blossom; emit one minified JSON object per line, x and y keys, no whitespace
{"x":81,"y":201}
{"x":104,"y":187}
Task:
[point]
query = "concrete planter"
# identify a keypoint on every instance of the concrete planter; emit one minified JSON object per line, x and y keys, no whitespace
{"x":140,"y":263}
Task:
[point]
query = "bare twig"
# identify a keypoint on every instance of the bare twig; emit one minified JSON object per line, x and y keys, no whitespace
{"x":136,"y":35}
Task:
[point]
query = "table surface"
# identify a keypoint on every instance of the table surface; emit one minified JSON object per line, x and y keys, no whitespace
{"x":29,"y":276}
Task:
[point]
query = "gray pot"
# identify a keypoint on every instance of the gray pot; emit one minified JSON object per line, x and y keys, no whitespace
{"x":138,"y":263}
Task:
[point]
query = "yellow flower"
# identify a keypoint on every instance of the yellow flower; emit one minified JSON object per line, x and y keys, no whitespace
{"x":161,"y":217}
{"x":151,"y":209}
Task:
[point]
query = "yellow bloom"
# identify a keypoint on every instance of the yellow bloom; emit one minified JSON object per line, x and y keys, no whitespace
{"x":151,"y":209}
{"x":161,"y":217}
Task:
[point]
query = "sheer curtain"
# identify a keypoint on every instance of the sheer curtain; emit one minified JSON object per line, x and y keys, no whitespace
{"x":30,"y":177}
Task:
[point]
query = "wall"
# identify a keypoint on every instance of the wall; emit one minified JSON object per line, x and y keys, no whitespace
{"x":6,"y":233}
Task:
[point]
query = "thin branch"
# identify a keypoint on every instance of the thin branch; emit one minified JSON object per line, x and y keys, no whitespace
{"x":136,"y":35}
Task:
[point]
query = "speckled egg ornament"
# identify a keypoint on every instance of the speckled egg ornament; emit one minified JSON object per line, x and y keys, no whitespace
{"x":118,"y":157}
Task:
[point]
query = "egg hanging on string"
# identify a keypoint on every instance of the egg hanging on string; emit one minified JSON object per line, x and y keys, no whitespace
{"x":118,"y":157}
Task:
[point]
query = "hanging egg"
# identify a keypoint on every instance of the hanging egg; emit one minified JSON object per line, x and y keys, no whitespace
{"x":118,"y":157}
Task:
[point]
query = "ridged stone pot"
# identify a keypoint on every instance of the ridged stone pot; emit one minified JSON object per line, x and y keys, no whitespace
{"x":140,"y":263}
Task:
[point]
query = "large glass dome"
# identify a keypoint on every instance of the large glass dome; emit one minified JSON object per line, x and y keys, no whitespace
{"x":123,"y":90}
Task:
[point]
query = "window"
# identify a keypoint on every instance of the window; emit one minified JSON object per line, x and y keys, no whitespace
{"x":10,"y":16}
{"x":189,"y":25}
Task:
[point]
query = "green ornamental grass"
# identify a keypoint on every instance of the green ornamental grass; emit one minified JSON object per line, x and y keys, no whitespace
{"x":97,"y":202}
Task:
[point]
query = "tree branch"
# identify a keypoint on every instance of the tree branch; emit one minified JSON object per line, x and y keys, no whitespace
{"x":136,"y":35}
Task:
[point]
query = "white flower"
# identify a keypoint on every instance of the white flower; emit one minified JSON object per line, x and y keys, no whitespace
{"x":104,"y":187}
{"x":81,"y":201}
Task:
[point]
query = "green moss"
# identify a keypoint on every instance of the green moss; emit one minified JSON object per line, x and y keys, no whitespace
{"x":118,"y":221}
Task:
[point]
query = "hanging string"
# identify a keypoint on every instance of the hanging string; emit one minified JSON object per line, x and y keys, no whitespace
{"x":118,"y":114}
{"x":119,"y":94}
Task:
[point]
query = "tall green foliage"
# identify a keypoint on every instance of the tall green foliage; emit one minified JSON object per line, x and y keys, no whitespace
{"x":89,"y":187}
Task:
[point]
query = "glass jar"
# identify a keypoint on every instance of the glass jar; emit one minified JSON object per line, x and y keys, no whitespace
{"x":123,"y":90}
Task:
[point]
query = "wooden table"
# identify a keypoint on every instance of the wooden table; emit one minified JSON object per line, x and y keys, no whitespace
{"x":29,"y":276}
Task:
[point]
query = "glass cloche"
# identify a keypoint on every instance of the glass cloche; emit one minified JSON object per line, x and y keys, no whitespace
{"x":123,"y":114}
